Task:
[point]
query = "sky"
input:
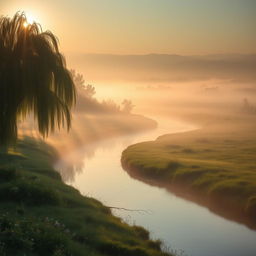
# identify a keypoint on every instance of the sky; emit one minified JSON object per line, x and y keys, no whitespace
{"x":185,"y":27}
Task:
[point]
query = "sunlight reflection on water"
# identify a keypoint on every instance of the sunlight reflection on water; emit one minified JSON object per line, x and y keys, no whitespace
{"x":179,"y":223}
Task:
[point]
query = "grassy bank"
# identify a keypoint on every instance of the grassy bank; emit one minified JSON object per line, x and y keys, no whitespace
{"x":214,"y":166}
{"x":40,"y":215}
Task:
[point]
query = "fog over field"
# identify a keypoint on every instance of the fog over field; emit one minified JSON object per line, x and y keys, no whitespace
{"x":190,"y":88}
{"x":184,"y":81}
{"x":165,"y":67}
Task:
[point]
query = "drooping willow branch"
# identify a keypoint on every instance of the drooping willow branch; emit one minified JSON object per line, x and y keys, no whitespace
{"x":33,"y":79}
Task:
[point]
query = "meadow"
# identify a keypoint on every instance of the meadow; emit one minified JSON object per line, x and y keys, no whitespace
{"x":214,"y":165}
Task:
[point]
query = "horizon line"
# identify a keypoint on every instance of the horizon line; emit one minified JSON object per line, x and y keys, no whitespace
{"x":166,"y":54}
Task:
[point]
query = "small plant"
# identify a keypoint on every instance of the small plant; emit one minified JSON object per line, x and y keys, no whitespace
{"x":37,"y":236}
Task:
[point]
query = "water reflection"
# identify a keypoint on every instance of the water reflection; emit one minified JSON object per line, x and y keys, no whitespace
{"x":180,"y":223}
{"x":74,"y":162}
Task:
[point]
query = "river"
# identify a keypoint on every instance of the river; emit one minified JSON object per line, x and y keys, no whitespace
{"x":183,"y":226}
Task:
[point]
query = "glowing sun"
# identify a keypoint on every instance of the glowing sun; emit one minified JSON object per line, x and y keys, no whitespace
{"x":30,"y":20}
{"x":25,"y":24}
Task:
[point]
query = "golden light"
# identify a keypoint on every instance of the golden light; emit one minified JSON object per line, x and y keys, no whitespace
{"x":25,"y":24}
{"x":29,"y":20}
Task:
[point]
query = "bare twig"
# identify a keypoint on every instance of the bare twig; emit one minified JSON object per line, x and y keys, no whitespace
{"x":129,"y":210}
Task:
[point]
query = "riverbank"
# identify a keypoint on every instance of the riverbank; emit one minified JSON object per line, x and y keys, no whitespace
{"x":40,"y":215}
{"x":213,"y":166}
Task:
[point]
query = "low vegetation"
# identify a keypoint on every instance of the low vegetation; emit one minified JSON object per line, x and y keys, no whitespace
{"x":215,"y":166}
{"x":40,"y":215}
{"x":88,"y":103}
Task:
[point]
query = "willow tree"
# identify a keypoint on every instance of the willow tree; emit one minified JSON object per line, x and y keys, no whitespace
{"x":33,"y":79}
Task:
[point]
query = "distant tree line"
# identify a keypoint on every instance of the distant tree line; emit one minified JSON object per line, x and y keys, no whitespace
{"x":248,"y":107}
{"x":88,"y":103}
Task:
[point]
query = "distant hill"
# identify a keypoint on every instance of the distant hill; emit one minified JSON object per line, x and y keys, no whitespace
{"x":164,"y":67}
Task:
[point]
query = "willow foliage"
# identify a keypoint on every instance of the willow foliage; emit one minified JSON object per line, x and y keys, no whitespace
{"x":33,"y":79}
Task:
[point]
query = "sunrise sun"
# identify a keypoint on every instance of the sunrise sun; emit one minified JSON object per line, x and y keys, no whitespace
{"x":30,"y":19}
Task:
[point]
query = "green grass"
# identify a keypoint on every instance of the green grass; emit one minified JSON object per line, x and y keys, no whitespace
{"x":40,"y":215}
{"x":218,"y":165}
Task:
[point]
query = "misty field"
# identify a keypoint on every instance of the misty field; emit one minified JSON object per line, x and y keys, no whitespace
{"x":216,"y":162}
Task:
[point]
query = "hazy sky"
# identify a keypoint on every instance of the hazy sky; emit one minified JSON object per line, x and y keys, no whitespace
{"x":145,"y":26}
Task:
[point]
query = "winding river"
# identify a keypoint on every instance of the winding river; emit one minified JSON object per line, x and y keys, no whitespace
{"x":185,"y":227}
